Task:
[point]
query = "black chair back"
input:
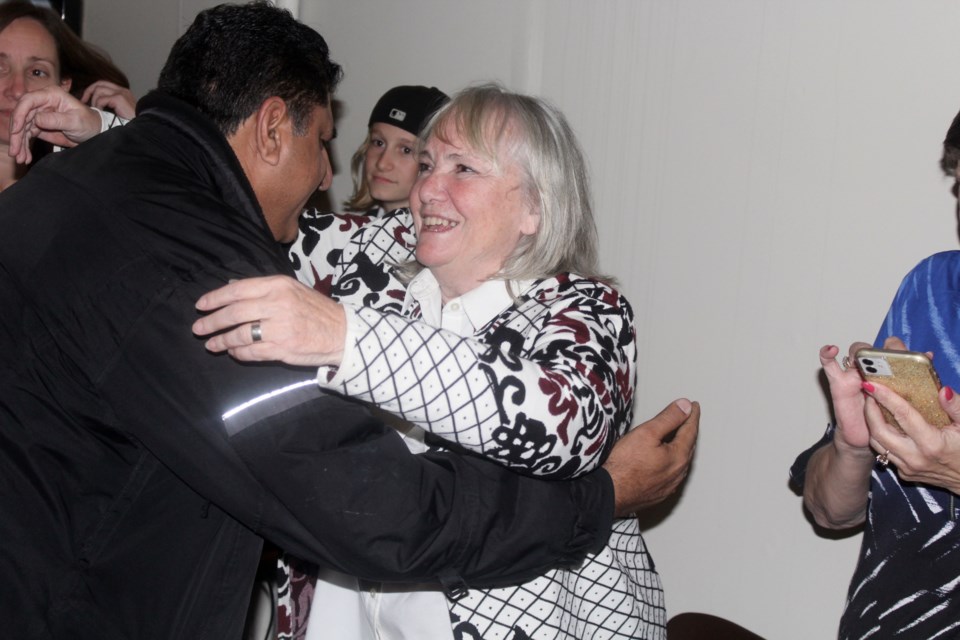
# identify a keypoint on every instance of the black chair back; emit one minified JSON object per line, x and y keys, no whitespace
{"x":703,"y":626}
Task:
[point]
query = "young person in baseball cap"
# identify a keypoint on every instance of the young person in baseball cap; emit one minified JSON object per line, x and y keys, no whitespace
{"x":385,"y":166}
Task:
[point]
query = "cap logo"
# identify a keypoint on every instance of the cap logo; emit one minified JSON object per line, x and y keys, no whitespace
{"x":398,"y":115}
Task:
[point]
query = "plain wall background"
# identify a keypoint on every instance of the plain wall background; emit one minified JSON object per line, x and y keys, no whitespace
{"x":765,"y":172}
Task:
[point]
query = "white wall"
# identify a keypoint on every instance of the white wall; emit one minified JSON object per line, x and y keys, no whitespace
{"x":138,"y":33}
{"x":765,"y":172}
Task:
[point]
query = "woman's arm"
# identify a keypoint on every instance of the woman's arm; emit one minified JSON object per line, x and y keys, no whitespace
{"x":837,"y":479}
{"x":54,"y":115}
{"x":547,"y":390}
{"x":105,"y":95}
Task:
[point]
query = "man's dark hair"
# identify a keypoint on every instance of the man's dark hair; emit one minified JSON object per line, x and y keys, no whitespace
{"x":233,"y":57}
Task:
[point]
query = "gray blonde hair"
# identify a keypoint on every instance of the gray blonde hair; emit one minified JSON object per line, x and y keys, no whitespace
{"x":501,"y":124}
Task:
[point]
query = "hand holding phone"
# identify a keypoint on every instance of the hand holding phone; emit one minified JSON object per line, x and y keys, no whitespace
{"x":910,"y":375}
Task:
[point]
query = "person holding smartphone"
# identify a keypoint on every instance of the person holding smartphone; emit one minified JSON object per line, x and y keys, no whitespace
{"x":899,"y":484}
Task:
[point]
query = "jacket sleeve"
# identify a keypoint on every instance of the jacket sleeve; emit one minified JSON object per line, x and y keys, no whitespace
{"x":546,"y":390}
{"x":316,"y":474}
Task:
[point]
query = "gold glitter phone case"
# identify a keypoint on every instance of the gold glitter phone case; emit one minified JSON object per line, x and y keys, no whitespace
{"x":911,"y":375}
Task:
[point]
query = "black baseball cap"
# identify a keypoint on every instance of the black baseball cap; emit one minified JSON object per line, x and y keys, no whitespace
{"x":408,"y":107}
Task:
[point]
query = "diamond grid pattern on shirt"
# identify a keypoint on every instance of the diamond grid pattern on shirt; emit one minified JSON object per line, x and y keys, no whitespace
{"x":428,"y":369}
{"x":615,"y":595}
{"x":472,"y":389}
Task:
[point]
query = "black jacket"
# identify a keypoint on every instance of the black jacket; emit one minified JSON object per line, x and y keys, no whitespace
{"x":133,"y":504}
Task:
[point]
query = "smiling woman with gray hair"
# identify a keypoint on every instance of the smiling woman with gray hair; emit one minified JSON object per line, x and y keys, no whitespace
{"x":513,"y":128}
{"x":506,"y":343}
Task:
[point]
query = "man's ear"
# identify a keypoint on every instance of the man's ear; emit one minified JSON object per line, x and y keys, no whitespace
{"x":272,"y":129}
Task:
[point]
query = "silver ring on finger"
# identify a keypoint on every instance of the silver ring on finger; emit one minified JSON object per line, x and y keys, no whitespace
{"x":256,"y":333}
{"x":845,"y":362}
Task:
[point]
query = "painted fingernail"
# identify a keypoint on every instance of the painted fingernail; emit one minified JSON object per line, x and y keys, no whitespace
{"x":948,"y":393}
{"x":866,"y":386}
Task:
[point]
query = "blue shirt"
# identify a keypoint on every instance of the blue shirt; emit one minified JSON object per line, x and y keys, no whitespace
{"x":905,"y":583}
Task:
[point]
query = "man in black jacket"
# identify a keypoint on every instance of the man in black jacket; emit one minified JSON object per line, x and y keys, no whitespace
{"x":138,"y":473}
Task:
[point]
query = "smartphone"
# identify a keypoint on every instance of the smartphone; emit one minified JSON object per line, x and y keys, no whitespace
{"x":911,"y":375}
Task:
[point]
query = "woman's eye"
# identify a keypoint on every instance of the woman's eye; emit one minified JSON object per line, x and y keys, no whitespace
{"x":376,"y":143}
{"x":39,"y":73}
{"x":423,"y":167}
{"x":406,"y":151}
{"x":462,"y":168}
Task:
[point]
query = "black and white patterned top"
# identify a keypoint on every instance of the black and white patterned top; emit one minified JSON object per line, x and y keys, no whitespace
{"x":545,"y":385}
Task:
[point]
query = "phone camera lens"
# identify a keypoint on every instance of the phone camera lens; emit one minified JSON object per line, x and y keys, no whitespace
{"x":871,"y":369}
